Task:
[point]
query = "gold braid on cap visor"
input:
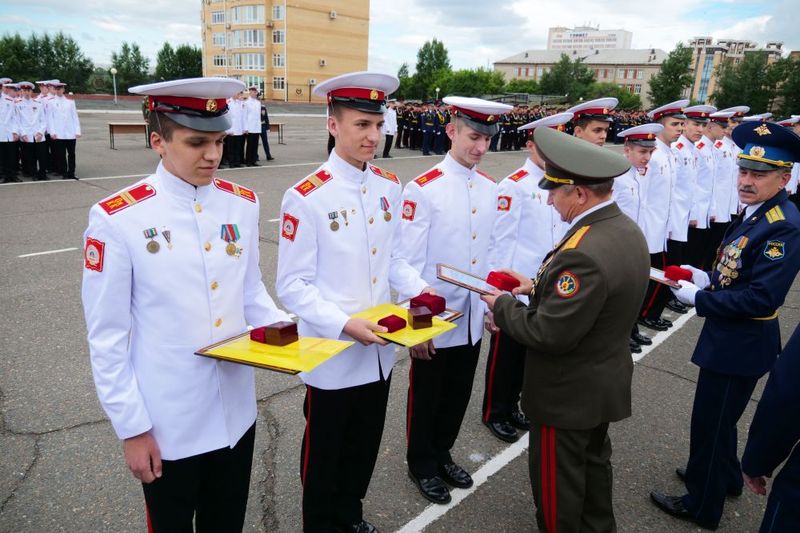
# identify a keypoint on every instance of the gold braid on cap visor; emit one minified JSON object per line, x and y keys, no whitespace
{"x":785,"y":164}
{"x":562,"y":181}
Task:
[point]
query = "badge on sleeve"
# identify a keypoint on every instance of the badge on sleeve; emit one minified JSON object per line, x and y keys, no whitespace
{"x":774,"y":250}
{"x":409,"y":209}
{"x":503,"y":203}
{"x":93,"y":254}
{"x":567,"y":284}
{"x":289,"y":227}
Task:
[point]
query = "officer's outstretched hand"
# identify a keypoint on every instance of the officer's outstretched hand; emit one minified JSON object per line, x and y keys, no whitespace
{"x":423,"y":351}
{"x":525,"y":283}
{"x":699,"y":277}
{"x":757,"y":485}
{"x":686,"y":294}
{"x":489,"y":324}
{"x":143,"y":457}
{"x":361,"y":330}
{"x":491,"y":298}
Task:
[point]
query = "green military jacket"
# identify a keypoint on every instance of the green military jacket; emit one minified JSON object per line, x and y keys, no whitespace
{"x":585,"y":300}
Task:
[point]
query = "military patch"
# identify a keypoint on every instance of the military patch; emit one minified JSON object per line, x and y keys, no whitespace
{"x":701,"y":145}
{"x":775,"y":215}
{"x":384,"y":174}
{"x":775,"y":250}
{"x":503,"y":203}
{"x":679,"y":146}
{"x":409,"y":209}
{"x":518,"y":175}
{"x":428,"y":177}
{"x":576,"y":237}
{"x":93,"y":254}
{"x":313,"y":182}
{"x":127,"y":198}
{"x":567,"y":284}
{"x":485,"y":175}
{"x":236,"y":190}
{"x":289,"y":227}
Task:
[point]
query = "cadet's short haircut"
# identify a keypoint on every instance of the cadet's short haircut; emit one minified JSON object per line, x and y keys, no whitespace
{"x":163,"y":125}
{"x":582,"y":122}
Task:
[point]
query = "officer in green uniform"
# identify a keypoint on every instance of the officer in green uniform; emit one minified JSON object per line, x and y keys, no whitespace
{"x":583,"y":304}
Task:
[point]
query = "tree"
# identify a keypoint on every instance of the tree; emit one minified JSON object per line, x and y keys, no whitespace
{"x":39,"y":58}
{"x":131,"y":66}
{"x":789,"y":91}
{"x":571,"y":78}
{"x":675,"y":75}
{"x":522,"y":86}
{"x":469,"y":82}
{"x":406,"y":82}
{"x":165,"y":62}
{"x":753,"y":81}
{"x":182,"y":62}
{"x":627,"y":100}
{"x":432,"y":60}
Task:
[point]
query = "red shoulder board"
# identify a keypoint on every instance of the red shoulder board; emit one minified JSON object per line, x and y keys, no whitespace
{"x":718,"y":144}
{"x":428,"y":177}
{"x":384,"y":173}
{"x":313,"y":182}
{"x":127,"y":198}
{"x":679,"y":146}
{"x":700,"y":146}
{"x":518,"y":175}
{"x":232,"y":188}
{"x":485,"y":175}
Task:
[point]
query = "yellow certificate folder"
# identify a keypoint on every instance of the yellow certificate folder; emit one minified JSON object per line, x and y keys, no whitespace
{"x":406,"y":336}
{"x":301,"y":356}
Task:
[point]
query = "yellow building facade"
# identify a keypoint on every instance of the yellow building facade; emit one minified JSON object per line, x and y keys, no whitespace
{"x":284,"y":47}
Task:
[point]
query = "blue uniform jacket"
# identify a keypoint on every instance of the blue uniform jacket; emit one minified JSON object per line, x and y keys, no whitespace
{"x":756,"y":264}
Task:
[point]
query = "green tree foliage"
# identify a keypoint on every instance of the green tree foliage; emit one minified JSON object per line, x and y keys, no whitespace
{"x":432,"y":61}
{"x":627,"y":100}
{"x":131,"y":66}
{"x":675,"y":76}
{"x":522,"y":86}
{"x":182,"y":62}
{"x":789,"y":90}
{"x":753,"y":82}
{"x":571,"y":78}
{"x":406,"y":83}
{"x":43,"y":57}
{"x":469,"y":82}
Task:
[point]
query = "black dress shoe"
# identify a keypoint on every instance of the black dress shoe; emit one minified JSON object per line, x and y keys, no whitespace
{"x":519,"y":421}
{"x":455,"y":476}
{"x":640,"y":339}
{"x":503,"y":430}
{"x":361,"y":527}
{"x":270,"y":158}
{"x":253,"y":165}
{"x":653,"y":324}
{"x":665,"y":322}
{"x":635,"y":348}
{"x":732,"y":492}
{"x":432,"y":488}
{"x":678,"y":307}
{"x":673,"y":505}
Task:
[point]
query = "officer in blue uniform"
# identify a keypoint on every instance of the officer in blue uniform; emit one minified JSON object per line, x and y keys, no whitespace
{"x":773,"y":434}
{"x":756,"y":264}
{"x":427,"y":121}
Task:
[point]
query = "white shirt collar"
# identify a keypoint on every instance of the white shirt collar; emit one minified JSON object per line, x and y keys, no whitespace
{"x":453,"y":167}
{"x":750,"y":209}
{"x":533,"y":169}
{"x":342,"y":169}
{"x":589,"y":211}
{"x":177,"y":187}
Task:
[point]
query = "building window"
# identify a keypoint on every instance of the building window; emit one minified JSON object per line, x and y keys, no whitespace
{"x":637,"y":89}
{"x":278,"y":37}
{"x":277,"y":12}
{"x":639,"y":74}
{"x":247,"y":15}
{"x":278,"y":60}
{"x":705,"y":78}
{"x":217,"y":17}
{"x":539,"y":72}
{"x":279,"y":83}
{"x":248,"y":61}
{"x":220,"y":61}
{"x":218,"y":38}
{"x":247,"y":39}
{"x":620,"y":73}
{"x":258,"y":81}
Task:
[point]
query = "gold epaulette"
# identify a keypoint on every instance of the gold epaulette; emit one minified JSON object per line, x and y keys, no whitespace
{"x":576,"y":238}
{"x":313,"y":182}
{"x":775,"y":214}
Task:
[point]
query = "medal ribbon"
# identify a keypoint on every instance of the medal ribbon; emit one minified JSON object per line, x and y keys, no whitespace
{"x":150,"y":233}
{"x":229,"y":232}
{"x":384,"y":203}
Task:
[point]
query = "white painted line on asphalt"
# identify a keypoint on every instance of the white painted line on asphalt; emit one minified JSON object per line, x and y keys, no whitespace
{"x":661,"y":336}
{"x":48,"y":252}
{"x":435,"y":511}
{"x":273,"y":220}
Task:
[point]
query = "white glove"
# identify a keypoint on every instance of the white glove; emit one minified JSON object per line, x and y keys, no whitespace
{"x":699,"y":277}
{"x":686,"y":294}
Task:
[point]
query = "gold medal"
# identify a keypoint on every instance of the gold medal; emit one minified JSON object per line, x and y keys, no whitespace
{"x":334,"y":226}
{"x":230,"y":249}
{"x":153,"y":247}
{"x":387,"y":216}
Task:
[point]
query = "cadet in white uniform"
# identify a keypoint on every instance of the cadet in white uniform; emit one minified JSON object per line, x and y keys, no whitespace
{"x":251,"y":122}
{"x":592,"y":120}
{"x":32,"y":129}
{"x":233,"y":155}
{"x":9,"y":134}
{"x":724,"y":185}
{"x":738,"y":114}
{"x":701,"y":213}
{"x":526,"y":228}
{"x":64,"y":128}
{"x":171,"y":265}
{"x":448,"y":216}
{"x":337,"y":236}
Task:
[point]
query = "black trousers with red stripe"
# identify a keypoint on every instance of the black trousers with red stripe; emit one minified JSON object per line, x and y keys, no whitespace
{"x":340,"y":446}
{"x":572,"y":479}
{"x":438,"y":394}
{"x":203,"y":493}
{"x":700,"y":247}
{"x":504,"y":370}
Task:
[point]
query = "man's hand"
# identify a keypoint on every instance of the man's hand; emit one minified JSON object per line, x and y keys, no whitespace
{"x":53,"y":136}
{"x":14,"y":137}
{"x":143,"y":457}
{"x":699,"y":277}
{"x":489,"y":324}
{"x":686,"y":294}
{"x":692,"y":223}
{"x":39,"y":137}
{"x":423,"y":351}
{"x":77,"y":135}
{"x":361,"y":330}
{"x":24,"y":138}
{"x":712,"y":219}
{"x":757,"y":485}
{"x":429,"y":290}
{"x":525,"y":283}
{"x":490,"y":299}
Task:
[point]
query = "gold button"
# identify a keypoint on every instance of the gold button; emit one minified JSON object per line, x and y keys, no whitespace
{"x":218,"y":322}
{"x":474,"y":210}
{"x":214,"y":285}
{"x":470,"y":184}
{"x":364,"y":190}
{"x":374,"y":251}
{"x":374,"y":281}
{"x":371,"y":220}
{"x":474,"y":236}
{"x":207,"y":246}
{"x":198,"y":208}
{"x":352,"y":211}
{"x":474,"y":261}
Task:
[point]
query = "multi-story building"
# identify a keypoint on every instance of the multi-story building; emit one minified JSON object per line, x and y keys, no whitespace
{"x":285,"y":48}
{"x":631,"y":69}
{"x":707,"y":56}
{"x":587,"y":38}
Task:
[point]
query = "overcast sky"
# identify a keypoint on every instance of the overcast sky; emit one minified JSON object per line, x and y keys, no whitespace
{"x":474,"y":35}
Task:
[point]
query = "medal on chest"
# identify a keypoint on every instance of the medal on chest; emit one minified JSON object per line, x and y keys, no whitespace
{"x":333,"y":215}
{"x":152,"y":245}
{"x":730,"y":261}
{"x":387,"y":216}
{"x":230,"y":234}
{"x":167,"y":234}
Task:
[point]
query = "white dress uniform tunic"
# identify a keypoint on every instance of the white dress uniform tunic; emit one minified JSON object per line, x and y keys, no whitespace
{"x":628,"y":191}
{"x":251,"y":116}
{"x":703,"y":205}
{"x":683,"y":189}
{"x":31,"y":118}
{"x":448,"y":216}
{"x":8,"y":119}
{"x":659,"y":197}
{"x":236,"y":116}
{"x":725,"y":180}
{"x":390,"y":122}
{"x":735,"y":203}
{"x":62,"y":118}
{"x":337,"y":218}
{"x":147,"y":313}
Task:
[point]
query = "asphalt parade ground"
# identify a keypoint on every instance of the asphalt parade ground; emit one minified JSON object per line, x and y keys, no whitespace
{"x":61,"y":466}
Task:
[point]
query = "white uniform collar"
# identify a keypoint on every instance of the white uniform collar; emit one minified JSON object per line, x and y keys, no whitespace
{"x":705,"y":140}
{"x":589,"y":211}
{"x":453,"y":167}
{"x":532,"y":168}
{"x":175,"y":186}
{"x":342,"y":169}
{"x":750,"y":209}
{"x":661,"y":145}
{"x":686,"y":142}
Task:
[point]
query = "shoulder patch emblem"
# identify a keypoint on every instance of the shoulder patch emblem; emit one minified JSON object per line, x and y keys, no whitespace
{"x":391,"y":176}
{"x":775,"y":250}
{"x":93,"y":254}
{"x":701,"y":145}
{"x":718,"y":144}
{"x":518,"y":175}
{"x":313,"y":182}
{"x":576,"y":238}
{"x":289,"y":227}
{"x":775,"y":215}
{"x":503,"y":203}
{"x":236,"y":190}
{"x":409,"y":209}
{"x":428,"y":177}
{"x":127,"y":198}
{"x":485,"y":175}
{"x":679,"y":146}
{"x":567,"y":284}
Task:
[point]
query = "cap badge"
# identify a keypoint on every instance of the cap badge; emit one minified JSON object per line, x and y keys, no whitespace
{"x":490,"y":118}
{"x":757,"y":151}
{"x":762,"y":130}
{"x":605,"y":111}
{"x":373,"y":94}
{"x":211,"y":106}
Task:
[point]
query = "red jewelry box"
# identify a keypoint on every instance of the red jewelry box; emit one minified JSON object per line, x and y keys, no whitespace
{"x":503,"y":281}
{"x":277,"y":334}
{"x":433,"y":302}
{"x":392,"y":323}
{"x":420,"y":317}
{"x":676,"y":273}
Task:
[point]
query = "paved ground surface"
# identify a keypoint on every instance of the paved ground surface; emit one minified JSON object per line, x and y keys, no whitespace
{"x":61,"y":467}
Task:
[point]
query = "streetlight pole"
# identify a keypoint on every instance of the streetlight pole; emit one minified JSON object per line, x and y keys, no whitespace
{"x":113,"y":72}
{"x":437,"y":94}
